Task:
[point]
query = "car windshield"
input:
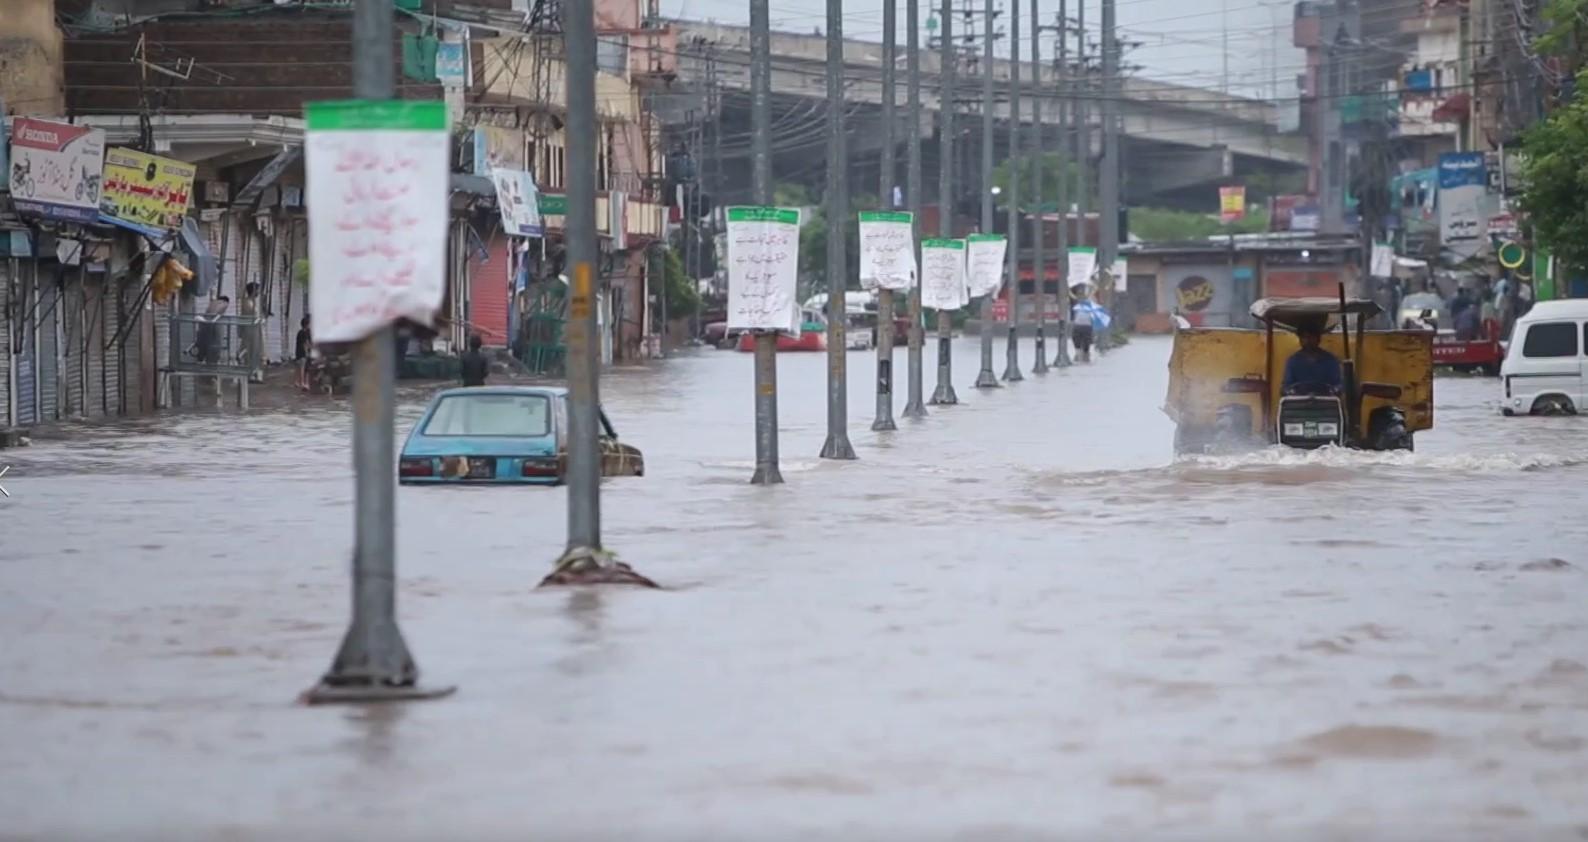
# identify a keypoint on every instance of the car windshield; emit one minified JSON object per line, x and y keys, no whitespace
{"x":490,"y":415}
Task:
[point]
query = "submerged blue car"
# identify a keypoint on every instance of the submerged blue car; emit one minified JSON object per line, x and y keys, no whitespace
{"x":502,"y":434}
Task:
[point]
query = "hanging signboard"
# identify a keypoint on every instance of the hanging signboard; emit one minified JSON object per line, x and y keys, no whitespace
{"x":1462,"y":190}
{"x":1083,"y":265}
{"x":518,"y":201}
{"x":943,"y":274}
{"x":763,"y":268}
{"x":887,"y":250}
{"x":1232,"y":204}
{"x":56,"y":169}
{"x":985,"y":255}
{"x":377,"y":200}
{"x":452,"y":63}
{"x":146,"y":189}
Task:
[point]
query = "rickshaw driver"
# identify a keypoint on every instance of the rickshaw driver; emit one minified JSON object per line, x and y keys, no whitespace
{"x":1312,"y":370}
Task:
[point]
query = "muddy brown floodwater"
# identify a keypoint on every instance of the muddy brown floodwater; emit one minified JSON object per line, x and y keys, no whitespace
{"x":1021,"y":618}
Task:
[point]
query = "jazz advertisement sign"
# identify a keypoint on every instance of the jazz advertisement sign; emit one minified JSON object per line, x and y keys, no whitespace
{"x":55,"y":169}
{"x":146,"y":189}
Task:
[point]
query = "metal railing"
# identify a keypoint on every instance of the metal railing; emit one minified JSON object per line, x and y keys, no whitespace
{"x":216,"y":344}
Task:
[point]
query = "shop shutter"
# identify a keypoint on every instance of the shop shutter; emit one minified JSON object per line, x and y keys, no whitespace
{"x":47,"y":325}
{"x":26,"y":361}
{"x":488,"y":292}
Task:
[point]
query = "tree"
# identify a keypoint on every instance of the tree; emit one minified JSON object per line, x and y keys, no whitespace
{"x":1555,"y":172}
{"x":683,"y":294}
{"x":1053,"y":166}
{"x":1161,"y":225}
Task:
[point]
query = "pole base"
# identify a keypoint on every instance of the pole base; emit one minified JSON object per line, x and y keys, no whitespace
{"x":944,"y":395}
{"x":837,"y":447}
{"x":915,"y":410}
{"x":986,"y":380}
{"x":767,"y":476}
{"x":884,"y":425}
{"x":373,"y":693}
{"x":1041,"y":365}
{"x":1061,"y":361}
{"x":586,"y":566}
{"x":1012,"y":373}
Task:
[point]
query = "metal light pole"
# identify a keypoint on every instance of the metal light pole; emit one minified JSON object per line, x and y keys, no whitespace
{"x":985,"y":379}
{"x":1012,"y":349}
{"x":766,"y":461}
{"x":1108,"y":176}
{"x":837,"y":445}
{"x":373,"y":663}
{"x":1039,"y":265}
{"x":584,"y":561}
{"x":914,"y":407}
{"x":1066,"y":161}
{"x":944,"y":394}
{"x":890,"y":25}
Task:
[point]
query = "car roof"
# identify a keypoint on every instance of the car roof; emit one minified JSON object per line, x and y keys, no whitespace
{"x":1569,"y":308}
{"x":544,"y":391}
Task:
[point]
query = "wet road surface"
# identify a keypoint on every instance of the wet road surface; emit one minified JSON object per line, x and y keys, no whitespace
{"x":1021,"y":618}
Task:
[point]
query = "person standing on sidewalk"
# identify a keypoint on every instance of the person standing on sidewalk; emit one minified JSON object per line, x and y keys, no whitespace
{"x":475,"y":366}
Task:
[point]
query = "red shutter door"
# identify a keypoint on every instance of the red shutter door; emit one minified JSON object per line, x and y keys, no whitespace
{"x":488,"y":292}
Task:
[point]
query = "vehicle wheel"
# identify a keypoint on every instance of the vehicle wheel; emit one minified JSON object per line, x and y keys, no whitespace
{"x":1554,"y":405}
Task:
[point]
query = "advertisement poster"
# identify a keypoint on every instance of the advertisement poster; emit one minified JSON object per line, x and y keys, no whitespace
{"x":763,"y":268}
{"x":519,"y":202}
{"x":1232,"y":204}
{"x":146,"y":189}
{"x":887,"y":250}
{"x":497,"y":147}
{"x":452,"y":63}
{"x":377,"y":195}
{"x":985,"y":255}
{"x":943,"y":274}
{"x":1463,"y":189}
{"x":56,"y":169}
{"x":1083,"y":265}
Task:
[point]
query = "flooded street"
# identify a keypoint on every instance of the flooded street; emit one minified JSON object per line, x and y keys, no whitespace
{"x":1020,"y":618}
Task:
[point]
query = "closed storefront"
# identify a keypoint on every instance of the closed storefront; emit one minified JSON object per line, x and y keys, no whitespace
{"x":489,"y":289}
{"x":49,"y":363}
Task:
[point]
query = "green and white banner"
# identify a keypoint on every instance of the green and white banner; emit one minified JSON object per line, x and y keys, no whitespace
{"x":763,"y":268}
{"x":887,"y":250}
{"x":943,"y":274}
{"x":985,"y":259}
{"x":377,"y":197}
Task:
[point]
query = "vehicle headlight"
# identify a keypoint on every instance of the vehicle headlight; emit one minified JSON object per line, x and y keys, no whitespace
{"x":1328,"y":429}
{"x":1294,"y":429}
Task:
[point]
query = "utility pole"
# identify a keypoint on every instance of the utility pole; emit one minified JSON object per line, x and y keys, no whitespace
{"x":1083,"y":129}
{"x":766,"y":458}
{"x":985,"y":378}
{"x":1108,"y":177}
{"x":837,"y":445}
{"x":890,"y":25}
{"x":1066,"y":160}
{"x":948,"y":100}
{"x":1039,"y":264}
{"x":373,"y":663}
{"x":1012,"y":348}
{"x":585,"y":561}
{"x":914,"y":407}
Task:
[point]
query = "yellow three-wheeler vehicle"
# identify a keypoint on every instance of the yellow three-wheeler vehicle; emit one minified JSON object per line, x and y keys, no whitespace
{"x":1226,"y":384}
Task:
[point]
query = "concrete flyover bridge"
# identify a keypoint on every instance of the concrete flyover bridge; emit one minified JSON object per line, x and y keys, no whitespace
{"x":1178,"y":141}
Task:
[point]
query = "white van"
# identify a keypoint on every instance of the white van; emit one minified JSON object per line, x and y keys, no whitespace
{"x":1546,"y":366}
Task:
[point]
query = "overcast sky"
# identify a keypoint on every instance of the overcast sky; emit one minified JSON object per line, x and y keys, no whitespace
{"x":1182,"y":40}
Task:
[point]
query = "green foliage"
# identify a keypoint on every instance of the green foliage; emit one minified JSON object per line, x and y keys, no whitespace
{"x":813,"y":245}
{"x":300,"y":271}
{"x":1053,"y":169}
{"x":1555,"y":171}
{"x":1565,"y":32}
{"x":1161,"y":225}
{"x":683,"y":295}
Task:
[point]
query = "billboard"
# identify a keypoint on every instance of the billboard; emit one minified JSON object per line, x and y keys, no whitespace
{"x":56,"y":169}
{"x":146,"y":189}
